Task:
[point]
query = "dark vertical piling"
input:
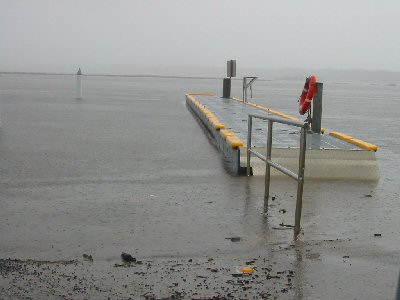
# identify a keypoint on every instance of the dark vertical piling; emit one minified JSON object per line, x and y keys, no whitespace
{"x":226,"y":90}
{"x":317,"y":108}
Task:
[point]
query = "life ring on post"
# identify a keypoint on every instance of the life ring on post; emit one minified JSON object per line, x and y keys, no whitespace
{"x":307,"y":94}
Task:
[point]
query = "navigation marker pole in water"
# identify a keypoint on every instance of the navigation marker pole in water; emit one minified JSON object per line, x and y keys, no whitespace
{"x":79,"y":85}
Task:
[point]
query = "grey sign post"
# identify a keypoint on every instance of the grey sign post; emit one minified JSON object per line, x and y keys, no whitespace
{"x":230,"y":72}
{"x":231,"y":68}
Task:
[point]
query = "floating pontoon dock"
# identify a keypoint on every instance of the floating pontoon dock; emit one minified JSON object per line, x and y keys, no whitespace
{"x":328,"y":156}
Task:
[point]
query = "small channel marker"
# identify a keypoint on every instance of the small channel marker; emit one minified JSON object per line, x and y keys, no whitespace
{"x":79,"y":85}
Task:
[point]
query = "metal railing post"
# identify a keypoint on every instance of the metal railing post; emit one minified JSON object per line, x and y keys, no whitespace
{"x":267,"y":165}
{"x":244,"y":89}
{"x":246,"y":85}
{"x":300,"y":181}
{"x":249,"y":129}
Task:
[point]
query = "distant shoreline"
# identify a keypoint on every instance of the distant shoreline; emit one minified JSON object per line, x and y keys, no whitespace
{"x":131,"y":75}
{"x":371,"y":81}
{"x":118,"y":75}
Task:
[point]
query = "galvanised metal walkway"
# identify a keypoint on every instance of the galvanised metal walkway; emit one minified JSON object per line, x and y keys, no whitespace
{"x":234,"y":114}
{"x":329,"y":156}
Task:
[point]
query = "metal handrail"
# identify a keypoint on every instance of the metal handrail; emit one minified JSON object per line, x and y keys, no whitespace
{"x":269,"y":163}
{"x":247,"y":85}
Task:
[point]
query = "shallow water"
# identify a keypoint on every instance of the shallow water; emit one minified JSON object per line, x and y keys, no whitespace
{"x":130,"y":163}
{"x":128,"y":168}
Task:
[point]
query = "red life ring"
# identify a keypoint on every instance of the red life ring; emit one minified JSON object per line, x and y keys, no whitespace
{"x":308,"y":94}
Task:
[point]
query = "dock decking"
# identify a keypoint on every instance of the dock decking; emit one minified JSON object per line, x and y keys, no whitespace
{"x":327,"y":156}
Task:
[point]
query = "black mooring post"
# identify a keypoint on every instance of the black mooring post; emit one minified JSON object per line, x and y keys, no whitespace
{"x":317,"y":109}
{"x":226,"y":90}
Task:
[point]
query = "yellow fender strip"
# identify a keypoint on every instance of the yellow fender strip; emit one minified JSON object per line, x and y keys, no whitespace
{"x":207,"y":113}
{"x":190,"y":98}
{"x":210,"y":116}
{"x":341,"y":136}
{"x":234,"y":141}
{"x":225,"y":133}
{"x":230,"y":137}
{"x":200,"y":94}
{"x":217,"y":125}
{"x":354,"y":141}
{"x":364,"y":145}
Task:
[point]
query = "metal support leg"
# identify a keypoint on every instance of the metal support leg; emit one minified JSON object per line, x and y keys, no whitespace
{"x":267,"y":166}
{"x":249,"y":129}
{"x":300,"y":182}
{"x":244,"y":89}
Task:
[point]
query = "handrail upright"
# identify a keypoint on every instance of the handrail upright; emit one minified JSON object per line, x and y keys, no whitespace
{"x":249,"y":129}
{"x":300,"y":180}
{"x":269,"y":163}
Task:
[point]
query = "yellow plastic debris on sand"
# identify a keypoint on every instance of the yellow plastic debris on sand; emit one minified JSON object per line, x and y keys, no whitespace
{"x":247,"y":270}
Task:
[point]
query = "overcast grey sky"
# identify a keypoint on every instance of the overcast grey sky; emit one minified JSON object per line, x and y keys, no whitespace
{"x":339,"y":34}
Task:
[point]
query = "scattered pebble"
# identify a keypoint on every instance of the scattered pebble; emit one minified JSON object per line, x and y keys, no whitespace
{"x":286,"y":225}
{"x":87,"y":257}
{"x":234,"y":239}
{"x":126,"y":257}
{"x":214,"y":270}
